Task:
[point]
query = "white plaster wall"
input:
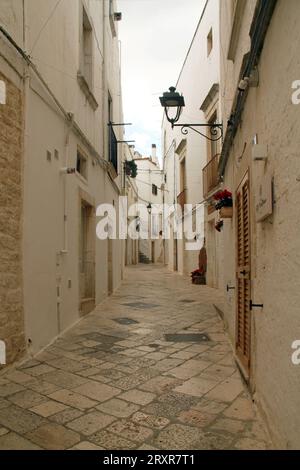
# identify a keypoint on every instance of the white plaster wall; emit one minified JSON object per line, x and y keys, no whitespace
{"x":54,"y":48}
{"x":198,"y":74}
{"x":11,"y":18}
{"x":270,"y":114}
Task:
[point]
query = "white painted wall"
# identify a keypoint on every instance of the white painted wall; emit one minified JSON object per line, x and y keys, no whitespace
{"x":275,"y":246}
{"x":52,"y":200}
{"x":198,"y":74}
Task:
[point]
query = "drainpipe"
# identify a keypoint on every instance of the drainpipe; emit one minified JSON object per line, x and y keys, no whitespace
{"x":64,"y":250}
{"x":25,"y":165}
{"x":26,"y":84}
{"x":164,"y":159}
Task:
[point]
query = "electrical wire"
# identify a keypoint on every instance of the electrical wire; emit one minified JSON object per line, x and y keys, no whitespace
{"x":149,"y":184}
{"x":44,"y":25}
{"x":63,"y":72}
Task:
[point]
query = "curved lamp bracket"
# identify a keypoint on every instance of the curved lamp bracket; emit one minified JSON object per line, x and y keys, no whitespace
{"x":216,"y":130}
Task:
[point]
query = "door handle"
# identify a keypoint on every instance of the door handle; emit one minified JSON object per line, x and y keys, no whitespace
{"x":253,"y":305}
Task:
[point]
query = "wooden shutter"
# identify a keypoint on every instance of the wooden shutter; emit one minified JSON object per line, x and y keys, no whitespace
{"x":243,"y":275}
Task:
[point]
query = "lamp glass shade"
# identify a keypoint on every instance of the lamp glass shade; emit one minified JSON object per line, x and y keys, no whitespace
{"x":172,"y":99}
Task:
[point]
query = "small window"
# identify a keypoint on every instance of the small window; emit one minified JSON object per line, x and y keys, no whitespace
{"x":112,"y":18}
{"x":209,"y":42}
{"x":110,"y":108}
{"x":154,"y":190}
{"x":87,"y":49}
{"x":233,"y":7}
{"x":81,"y":165}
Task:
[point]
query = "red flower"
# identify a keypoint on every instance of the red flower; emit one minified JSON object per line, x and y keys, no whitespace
{"x":222,"y":195}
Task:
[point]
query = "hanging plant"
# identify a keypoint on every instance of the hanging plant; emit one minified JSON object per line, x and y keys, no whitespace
{"x":219,"y":225}
{"x":223,"y":198}
{"x":131,"y":168}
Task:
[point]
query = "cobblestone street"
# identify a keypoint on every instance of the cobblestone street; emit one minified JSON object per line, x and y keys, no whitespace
{"x":118,"y":381}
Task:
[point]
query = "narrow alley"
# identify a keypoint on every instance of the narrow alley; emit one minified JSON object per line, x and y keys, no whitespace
{"x":150,"y":368}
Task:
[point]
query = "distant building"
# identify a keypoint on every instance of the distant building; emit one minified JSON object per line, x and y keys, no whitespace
{"x":150,"y":184}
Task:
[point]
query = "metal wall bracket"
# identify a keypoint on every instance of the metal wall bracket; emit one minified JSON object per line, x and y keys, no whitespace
{"x":228,"y":288}
{"x":215,"y":129}
{"x":252,"y":305}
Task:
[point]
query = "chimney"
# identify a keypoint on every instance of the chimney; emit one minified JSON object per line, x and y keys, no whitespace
{"x":153,"y":154}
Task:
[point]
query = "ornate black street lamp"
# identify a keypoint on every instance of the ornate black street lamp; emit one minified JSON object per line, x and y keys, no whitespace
{"x":172,"y":99}
{"x":149,"y":208}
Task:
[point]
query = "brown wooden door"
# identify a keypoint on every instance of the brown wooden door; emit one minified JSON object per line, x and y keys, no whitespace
{"x":243,"y":275}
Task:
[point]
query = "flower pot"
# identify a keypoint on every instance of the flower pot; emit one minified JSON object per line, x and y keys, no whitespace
{"x":200,"y":280}
{"x":226,"y":212}
{"x":227,"y":202}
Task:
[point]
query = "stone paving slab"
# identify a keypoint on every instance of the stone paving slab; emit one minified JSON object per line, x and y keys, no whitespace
{"x":106,"y":385}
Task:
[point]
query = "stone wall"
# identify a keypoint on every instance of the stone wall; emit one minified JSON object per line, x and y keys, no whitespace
{"x":11,"y":157}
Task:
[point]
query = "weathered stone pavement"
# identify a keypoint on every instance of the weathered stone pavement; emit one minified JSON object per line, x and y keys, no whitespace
{"x":115,"y":382}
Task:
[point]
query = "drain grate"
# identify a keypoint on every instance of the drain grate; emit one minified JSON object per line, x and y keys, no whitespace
{"x":125,"y":321}
{"x":141,"y":305}
{"x":187,"y":337}
{"x":187,"y":301}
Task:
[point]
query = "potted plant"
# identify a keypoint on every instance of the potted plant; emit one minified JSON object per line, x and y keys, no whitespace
{"x":224,"y":203}
{"x":198,"y":276}
{"x":131,"y":168}
{"x":219,"y":225}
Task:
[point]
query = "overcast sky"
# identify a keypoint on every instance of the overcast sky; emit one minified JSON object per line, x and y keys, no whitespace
{"x":155,"y":36}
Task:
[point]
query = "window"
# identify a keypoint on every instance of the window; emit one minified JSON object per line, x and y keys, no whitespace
{"x":154,"y":189}
{"x":81,"y":164}
{"x":213,"y":143}
{"x":237,"y":12}
{"x":110,"y":108}
{"x":86,"y":60}
{"x":87,"y":49}
{"x":112,"y":138}
{"x":233,"y":7}
{"x":209,"y":42}
{"x":111,"y":18}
